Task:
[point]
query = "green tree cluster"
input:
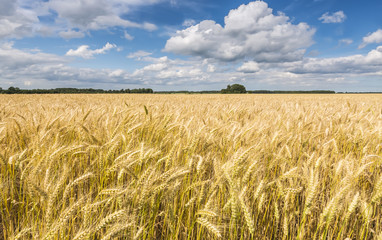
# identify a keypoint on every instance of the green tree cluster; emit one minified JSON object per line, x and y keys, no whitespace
{"x":234,"y":88}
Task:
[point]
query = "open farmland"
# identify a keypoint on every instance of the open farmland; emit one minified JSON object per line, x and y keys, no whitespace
{"x":191,"y":166}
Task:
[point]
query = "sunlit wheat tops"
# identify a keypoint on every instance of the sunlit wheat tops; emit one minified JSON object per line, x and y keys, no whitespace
{"x":191,"y":167}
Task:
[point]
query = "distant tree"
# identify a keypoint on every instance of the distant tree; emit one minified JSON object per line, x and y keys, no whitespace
{"x":13,"y":90}
{"x":234,"y":88}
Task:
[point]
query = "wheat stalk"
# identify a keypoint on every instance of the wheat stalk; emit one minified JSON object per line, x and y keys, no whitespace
{"x":211,"y":227}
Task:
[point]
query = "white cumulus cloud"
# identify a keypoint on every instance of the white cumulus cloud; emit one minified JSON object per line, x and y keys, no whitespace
{"x":43,"y":70}
{"x":84,"y":51}
{"x":375,"y":37}
{"x":359,"y":64}
{"x":251,"y":31}
{"x":337,"y":17}
{"x":16,"y":21}
{"x":97,"y":14}
{"x":23,"y":18}
{"x":249,"y":67}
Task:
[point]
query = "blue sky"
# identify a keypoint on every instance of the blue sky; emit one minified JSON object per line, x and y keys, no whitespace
{"x":191,"y":45}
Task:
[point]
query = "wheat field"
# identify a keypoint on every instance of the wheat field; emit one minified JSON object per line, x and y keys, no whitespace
{"x":191,"y":166}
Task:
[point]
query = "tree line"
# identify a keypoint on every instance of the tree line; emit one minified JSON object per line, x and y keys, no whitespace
{"x":16,"y":90}
{"x":291,"y":92}
{"x":238,"y":88}
{"x":231,"y":89}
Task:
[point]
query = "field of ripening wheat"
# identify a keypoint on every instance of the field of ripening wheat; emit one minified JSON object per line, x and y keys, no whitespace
{"x":191,"y":167}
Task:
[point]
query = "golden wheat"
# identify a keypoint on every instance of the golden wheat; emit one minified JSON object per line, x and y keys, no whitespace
{"x":190,"y":166}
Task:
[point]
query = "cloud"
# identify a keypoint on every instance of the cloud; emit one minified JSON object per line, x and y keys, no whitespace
{"x":7,"y":27}
{"x":27,"y":83}
{"x":43,"y":70}
{"x":149,"y":26}
{"x":97,"y":14}
{"x":355,"y":64}
{"x":80,"y":13}
{"x":84,"y":51}
{"x":375,"y":37}
{"x":14,"y":59}
{"x":337,"y":17}
{"x":71,"y":34}
{"x":8,"y":7}
{"x":166,"y":71}
{"x":249,"y":67}
{"x":139,"y":54}
{"x":25,"y":17}
{"x":188,"y":22}
{"x":155,"y":67}
{"x":17,"y":22}
{"x":251,"y":31}
{"x":128,"y":36}
{"x":345,"y":41}
{"x":35,"y":69}
{"x":211,"y":68}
